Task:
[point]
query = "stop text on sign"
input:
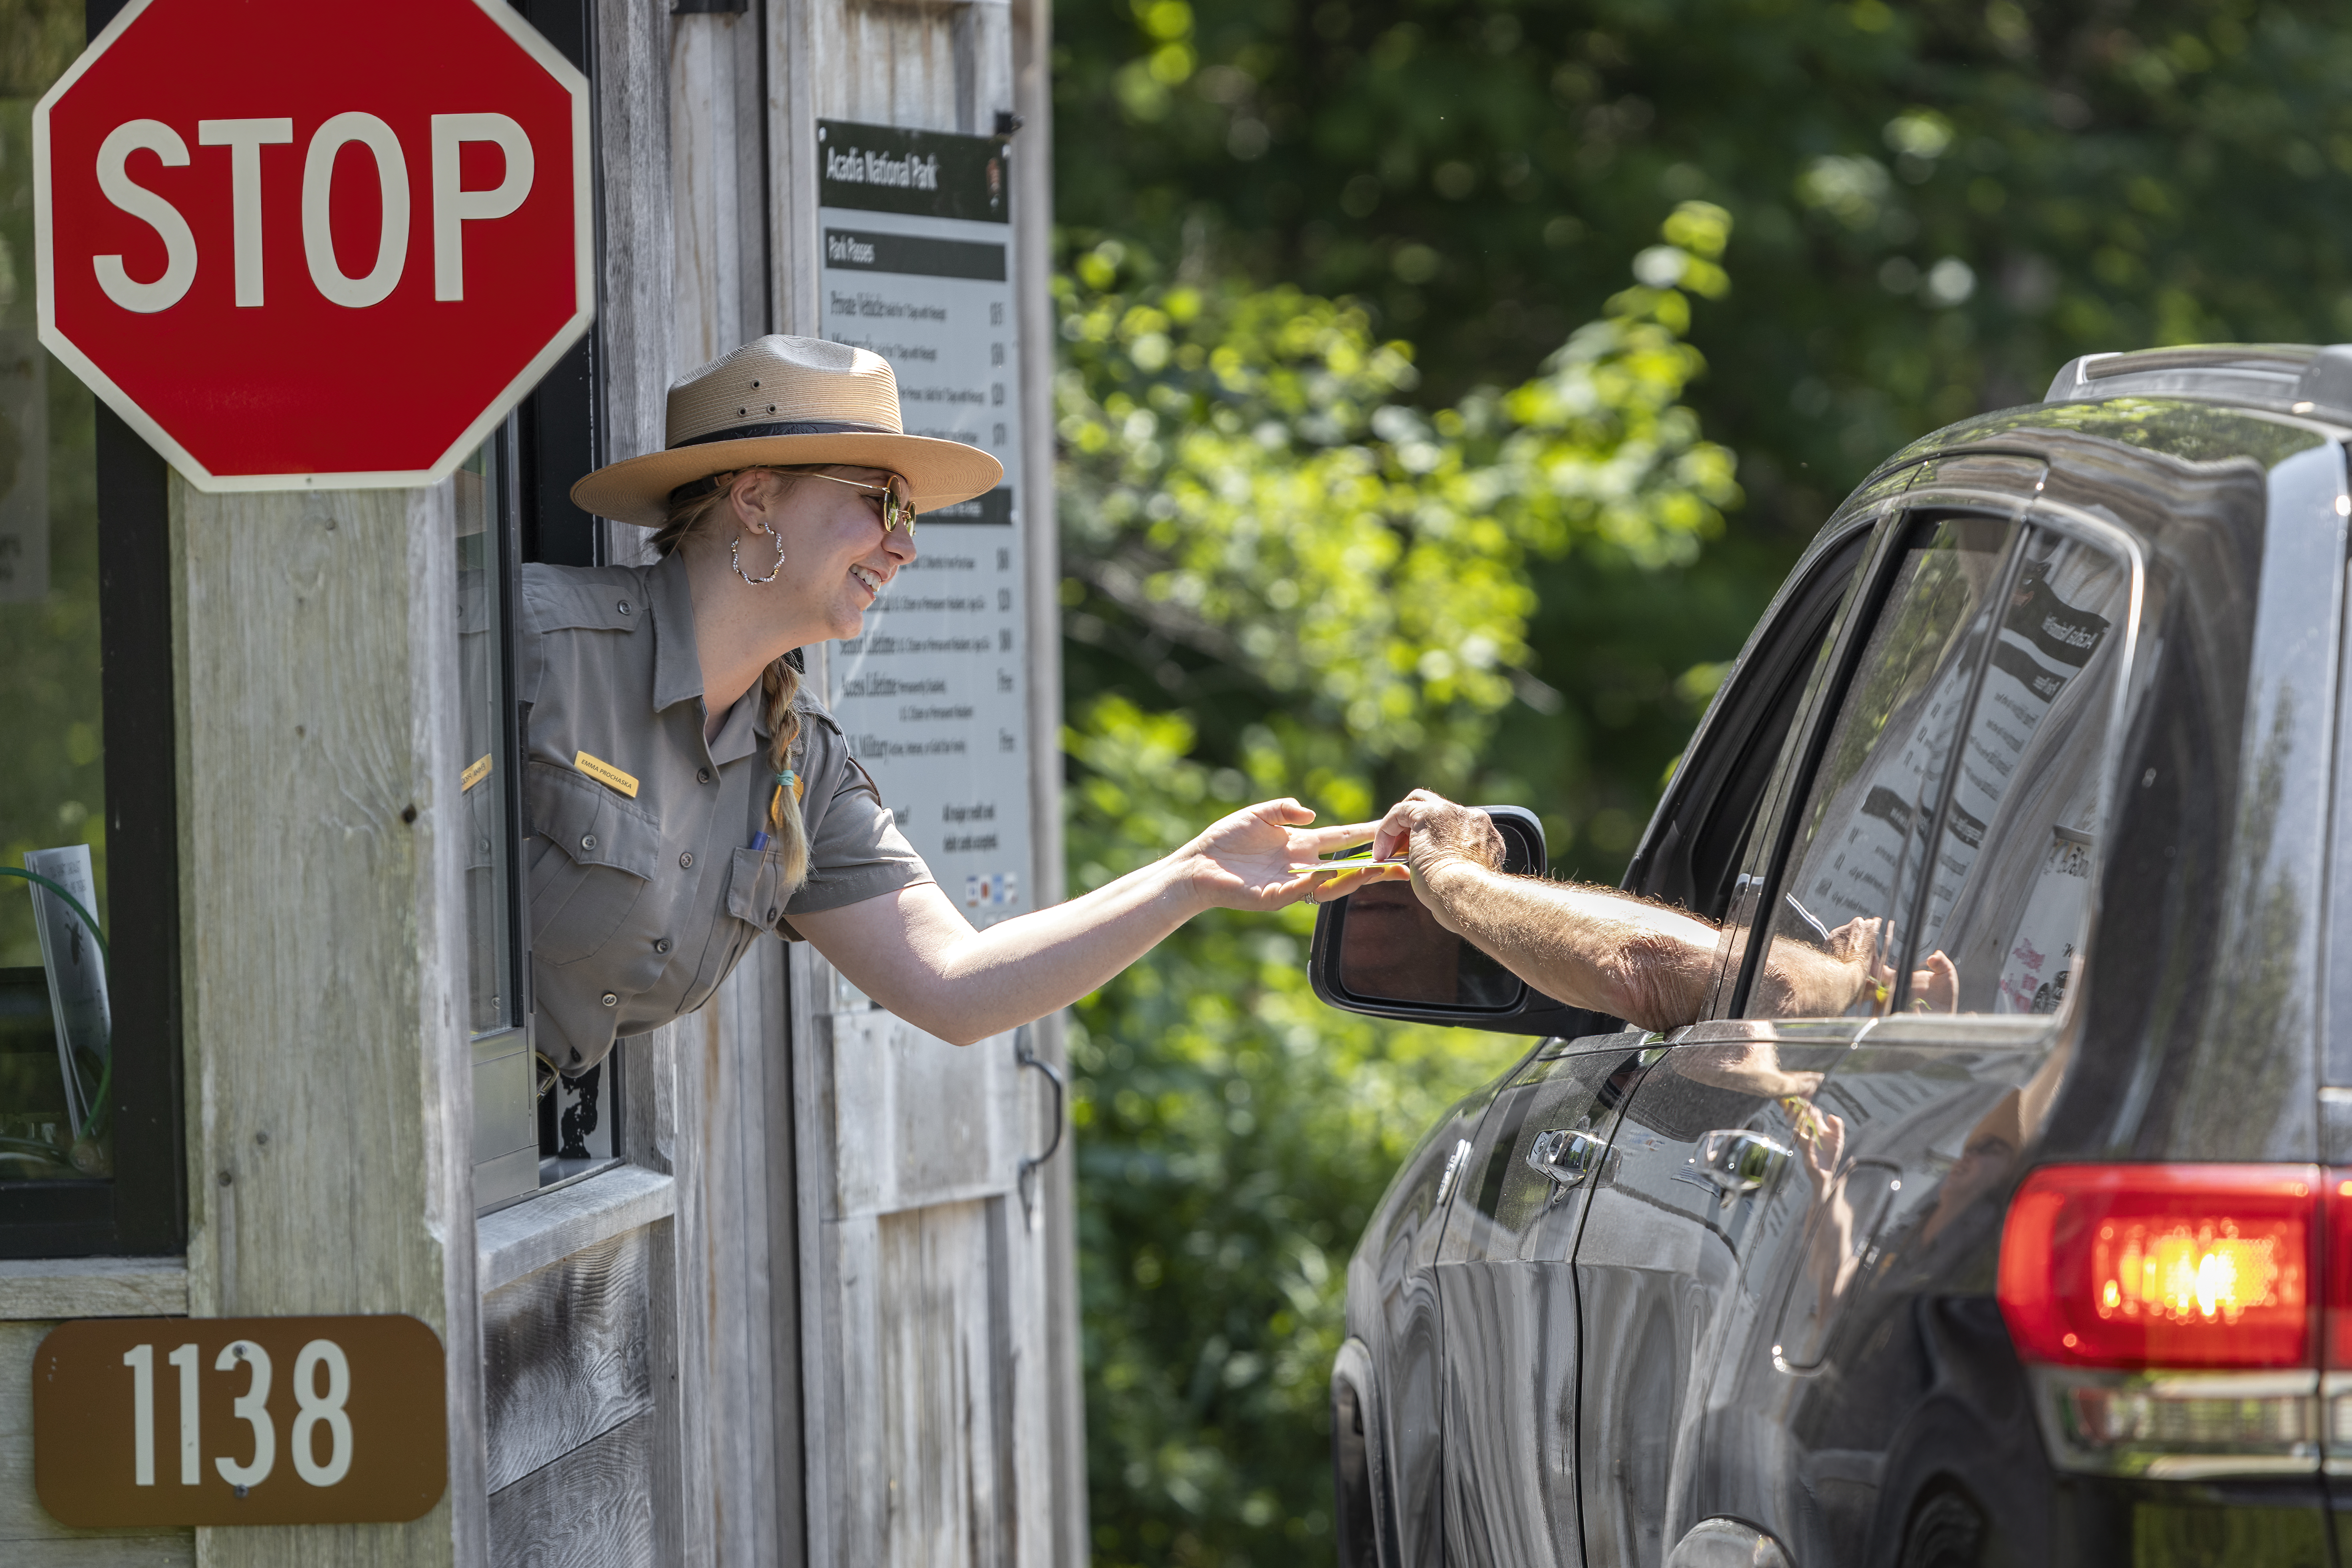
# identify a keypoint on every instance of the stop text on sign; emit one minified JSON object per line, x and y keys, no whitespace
{"x":453,"y":206}
{"x":297,"y":246}
{"x":239,"y":1421}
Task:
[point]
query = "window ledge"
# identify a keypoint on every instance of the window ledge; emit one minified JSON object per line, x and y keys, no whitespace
{"x":539,"y":1231}
{"x":39,"y":1290}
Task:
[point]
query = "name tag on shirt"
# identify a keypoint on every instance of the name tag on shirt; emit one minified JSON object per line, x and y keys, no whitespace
{"x":606,"y":773}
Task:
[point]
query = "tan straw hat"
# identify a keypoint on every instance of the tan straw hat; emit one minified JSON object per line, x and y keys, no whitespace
{"x":786,"y":401}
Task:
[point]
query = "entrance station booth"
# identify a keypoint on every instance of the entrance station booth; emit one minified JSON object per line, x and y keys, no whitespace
{"x":307,"y":1255}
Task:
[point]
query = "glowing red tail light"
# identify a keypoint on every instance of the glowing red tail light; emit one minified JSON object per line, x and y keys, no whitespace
{"x":2191,"y":1266}
{"x":2337,"y":1295}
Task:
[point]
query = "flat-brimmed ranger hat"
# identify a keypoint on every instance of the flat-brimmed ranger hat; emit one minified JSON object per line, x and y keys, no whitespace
{"x":786,"y":403}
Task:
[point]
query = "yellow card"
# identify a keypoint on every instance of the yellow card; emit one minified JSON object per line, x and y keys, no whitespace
{"x":1360,"y":863}
{"x":476,"y":774}
{"x":606,"y":773}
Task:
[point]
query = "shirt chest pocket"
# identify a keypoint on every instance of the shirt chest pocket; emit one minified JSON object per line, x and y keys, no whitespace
{"x":604,"y":855}
{"x":754,"y":890}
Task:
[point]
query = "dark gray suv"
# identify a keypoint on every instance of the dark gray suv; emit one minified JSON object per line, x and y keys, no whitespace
{"x":2032,"y":1243}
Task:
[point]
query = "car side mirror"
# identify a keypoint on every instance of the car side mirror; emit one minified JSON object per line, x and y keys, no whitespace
{"x":1379,"y":952}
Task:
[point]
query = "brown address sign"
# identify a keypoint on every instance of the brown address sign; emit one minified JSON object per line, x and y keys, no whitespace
{"x":239,"y":1421}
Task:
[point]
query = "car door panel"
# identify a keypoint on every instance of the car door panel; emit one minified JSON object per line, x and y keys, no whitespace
{"x":1701,"y":1177}
{"x":1508,"y":1295}
{"x":1828,"y":1419}
{"x":1393,"y":1309}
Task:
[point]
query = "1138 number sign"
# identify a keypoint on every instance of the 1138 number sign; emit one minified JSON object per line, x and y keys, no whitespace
{"x":239,"y":1421}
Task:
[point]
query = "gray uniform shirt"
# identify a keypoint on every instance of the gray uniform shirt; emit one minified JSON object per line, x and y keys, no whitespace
{"x":641,"y":904}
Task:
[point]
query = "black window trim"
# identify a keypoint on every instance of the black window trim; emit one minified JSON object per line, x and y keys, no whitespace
{"x":140,"y":1211}
{"x":1782,"y":653}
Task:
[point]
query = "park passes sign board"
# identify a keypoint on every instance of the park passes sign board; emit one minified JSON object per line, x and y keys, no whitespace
{"x":297,"y":245}
{"x":934,"y":694}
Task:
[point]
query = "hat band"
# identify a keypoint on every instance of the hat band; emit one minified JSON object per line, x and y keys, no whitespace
{"x":789,"y":428}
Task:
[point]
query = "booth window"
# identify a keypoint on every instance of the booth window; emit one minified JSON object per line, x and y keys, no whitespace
{"x":532,"y":1129}
{"x":90,"y":1121}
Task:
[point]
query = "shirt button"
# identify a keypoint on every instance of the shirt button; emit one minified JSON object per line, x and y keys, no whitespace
{"x":587,"y":841}
{"x":610,"y":1000}
{"x":686,"y":861}
{"x":623,"y":607}
{"x":702,"y":775}
{"x":771,"y":916}
{"x":662,"y":946}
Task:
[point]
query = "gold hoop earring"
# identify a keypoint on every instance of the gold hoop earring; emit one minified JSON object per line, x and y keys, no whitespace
{"x":736,"y":560}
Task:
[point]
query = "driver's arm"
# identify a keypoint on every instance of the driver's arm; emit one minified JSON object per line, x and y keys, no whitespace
{"x":1591,"y":947}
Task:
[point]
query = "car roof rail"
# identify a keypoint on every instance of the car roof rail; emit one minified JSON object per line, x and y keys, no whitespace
{"x":2294,"y":378}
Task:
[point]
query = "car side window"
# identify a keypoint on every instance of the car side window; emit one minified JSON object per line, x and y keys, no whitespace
{"x":1941,"y":860}
{"x":2009,"y":895}
{"x":1837,"y":924}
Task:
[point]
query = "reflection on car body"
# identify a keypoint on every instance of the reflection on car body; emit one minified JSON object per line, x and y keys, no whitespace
{"x":2016,"y":817}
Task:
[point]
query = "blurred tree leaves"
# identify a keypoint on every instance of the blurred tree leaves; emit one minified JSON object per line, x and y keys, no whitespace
{"x":1334,"y":587}
{"x":1258,"y":524}
{"x":1938,"y":202}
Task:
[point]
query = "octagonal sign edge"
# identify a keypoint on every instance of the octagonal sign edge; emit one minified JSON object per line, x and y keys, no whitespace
{"x":329,"y":209}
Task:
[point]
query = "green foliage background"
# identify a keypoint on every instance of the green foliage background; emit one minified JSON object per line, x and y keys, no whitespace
{"x":1446,"y":386}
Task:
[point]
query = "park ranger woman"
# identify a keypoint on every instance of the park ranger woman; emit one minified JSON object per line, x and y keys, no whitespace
{"x":685,"y":797}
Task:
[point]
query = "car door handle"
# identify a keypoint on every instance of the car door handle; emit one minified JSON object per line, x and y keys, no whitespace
{"x":1565,"y":1157}
{"x":1738,"y":1162}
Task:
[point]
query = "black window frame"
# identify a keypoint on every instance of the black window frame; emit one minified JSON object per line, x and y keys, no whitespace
{"x":1693,"y":858}
{"x":141,"y":1209}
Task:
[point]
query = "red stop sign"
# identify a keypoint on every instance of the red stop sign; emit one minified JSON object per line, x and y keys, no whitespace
{"x":297,"y":244}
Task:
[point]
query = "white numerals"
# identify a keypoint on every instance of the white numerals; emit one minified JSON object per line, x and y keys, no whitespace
{"x":252,"y":1408}
{"x":315,"y":1408}
{"x":141,"y":1359}
{"x":323,"y":1392}
{"x":191,"y":1468}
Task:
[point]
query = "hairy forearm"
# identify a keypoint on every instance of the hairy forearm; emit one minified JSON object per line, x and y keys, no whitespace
{"x":915,"y":953}
{"x":1589,"y":947}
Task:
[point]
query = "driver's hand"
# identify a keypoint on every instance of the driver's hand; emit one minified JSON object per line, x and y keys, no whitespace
{"x":1430,"y":831}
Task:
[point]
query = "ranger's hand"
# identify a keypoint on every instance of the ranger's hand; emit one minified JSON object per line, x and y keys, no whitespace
{"x":1244,"y":861}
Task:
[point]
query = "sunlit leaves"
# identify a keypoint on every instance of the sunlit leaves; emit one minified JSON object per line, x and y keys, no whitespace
{"x":1245,"y":478}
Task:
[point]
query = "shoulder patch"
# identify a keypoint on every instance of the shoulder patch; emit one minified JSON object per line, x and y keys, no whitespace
{"x":582,"y":598}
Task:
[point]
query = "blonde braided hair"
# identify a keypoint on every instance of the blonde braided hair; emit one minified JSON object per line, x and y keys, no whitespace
{"x":779,"y":684}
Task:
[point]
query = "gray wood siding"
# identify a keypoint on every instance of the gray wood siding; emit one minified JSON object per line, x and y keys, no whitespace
{"x":591,"y":1509}
{"x":563,"y":1356}
{"x":93,"y":1288}
{"x":942,"y":1362}
{"x":637,"y":251}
